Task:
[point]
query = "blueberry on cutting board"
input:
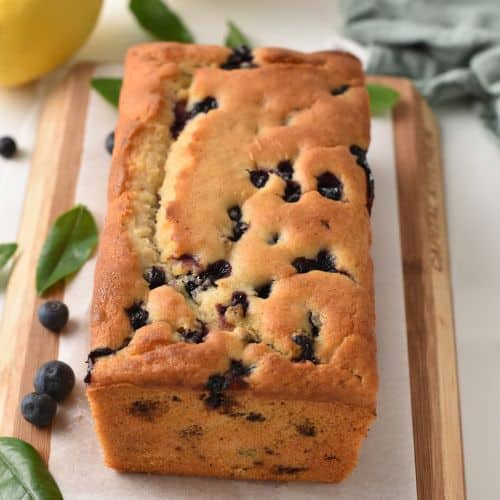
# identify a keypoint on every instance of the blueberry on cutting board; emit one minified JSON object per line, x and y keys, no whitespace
{"x":56,"y":379}
{"x":110,"y":142}
{"x":38,"y":409}
{"x":53,"y":315}
{"x":8,"y":147}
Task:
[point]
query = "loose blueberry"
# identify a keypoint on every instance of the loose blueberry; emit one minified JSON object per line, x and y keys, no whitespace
{"x":259,"y":178}
{"x":241,"y":57}
{"x":38,"y":409}
{"x":329,"y":186}
{"x":110,"y":142}
{"x":292,"y":192}
{"x":339,"y":90}
{"x":155,"y":276}
{"x":54,"y":378}
{"x":137,"y":315}
{"x":53,"y":315}
{"x":8,"y":147}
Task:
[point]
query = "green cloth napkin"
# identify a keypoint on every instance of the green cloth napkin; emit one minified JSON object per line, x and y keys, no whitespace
{"x":450,"y":50}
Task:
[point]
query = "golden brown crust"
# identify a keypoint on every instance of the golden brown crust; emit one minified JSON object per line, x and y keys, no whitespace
{"x":282,"y":110}
{"x":171,"y":431}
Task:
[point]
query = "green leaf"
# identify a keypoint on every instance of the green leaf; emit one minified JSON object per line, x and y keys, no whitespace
{"x":155,"y":17}
{"x":70,"y":242}
{"x":7,"y":250}
{"x":109,"y":88}
{"x":381,"y":97}
{"x":235,"y":38}
{"x":23,"y":473}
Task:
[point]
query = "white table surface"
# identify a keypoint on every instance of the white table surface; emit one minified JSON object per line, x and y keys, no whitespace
{"x":472,"y":172}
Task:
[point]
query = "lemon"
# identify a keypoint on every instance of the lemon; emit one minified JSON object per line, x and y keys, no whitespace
{"x":38,"y":35}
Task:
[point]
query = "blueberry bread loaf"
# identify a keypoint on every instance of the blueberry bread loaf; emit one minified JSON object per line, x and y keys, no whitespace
{"x":233,"y":313}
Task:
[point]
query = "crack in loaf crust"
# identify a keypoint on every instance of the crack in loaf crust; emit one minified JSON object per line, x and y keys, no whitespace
{"x":234,"y":264}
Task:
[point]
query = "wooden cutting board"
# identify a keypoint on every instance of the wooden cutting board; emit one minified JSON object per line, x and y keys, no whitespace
{"x":25,"y":345}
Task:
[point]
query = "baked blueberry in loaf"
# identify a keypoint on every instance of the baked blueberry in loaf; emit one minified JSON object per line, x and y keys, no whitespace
{"x":233,"y":312}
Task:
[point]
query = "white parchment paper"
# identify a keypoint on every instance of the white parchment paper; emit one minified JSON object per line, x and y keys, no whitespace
{"x":386,"y":470}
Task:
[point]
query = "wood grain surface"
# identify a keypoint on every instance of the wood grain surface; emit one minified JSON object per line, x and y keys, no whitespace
{"x":25,"y":345}
{"x":428,"y":302}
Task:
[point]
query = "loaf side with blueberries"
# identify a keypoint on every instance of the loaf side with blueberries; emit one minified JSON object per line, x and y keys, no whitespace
{"x":233,"y":310}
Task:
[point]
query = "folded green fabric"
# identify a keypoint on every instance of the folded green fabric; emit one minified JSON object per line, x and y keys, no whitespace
{"x":450,"y":50}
